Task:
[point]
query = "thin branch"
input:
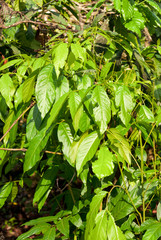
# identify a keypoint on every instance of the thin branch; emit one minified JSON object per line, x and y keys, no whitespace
{"x":25,"y":149}
{"x":31,"y":105}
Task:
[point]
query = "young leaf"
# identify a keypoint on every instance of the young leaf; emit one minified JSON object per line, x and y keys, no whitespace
{"x":28,"y":87}
{"x":91,"y":216}
{"x":123,"y":100}
{"x":65,"y":136}
{"x":60,"y":55}
{"x":114,"y":232}
{"x":102,"y":111}
{"x":100,"y":230}
{"x":145,"y":115}
{"x":45,"y":89}
{"x":5,"y":192}
{"x":104,"y":166}
{"x":44,"y":186}
{"x":7,"y":89}
{"x":86,"y":150}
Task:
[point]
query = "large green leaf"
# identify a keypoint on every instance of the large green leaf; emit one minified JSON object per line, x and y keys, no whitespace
{"x":154,"y":5}
{"x":60,"y":54}
{"x":137,"y":22}
{"x":33,"y":154}
{"x":65,"y":136}
{"x":7,"y":89}
{"x":127,"y":10}
{"x":63,"y":226}
{"x":86,"y":150}
{"x":102,"y":110}
{"x":145,"y":115}
{"x":119,"y":144}
{"x":40,"y":220}
{"x":91,"y":216}
{"x":33,"y":123}
{"x":50,"y":234}
{"x":114,"y":232}
{"x":35,"y":230}
{"x":104,"y":166}
{"x":4,"y":192}
{"x":28,"y":87}
{"x":153,"y":232}
{"x":124,"y":100}
{"x":45,"y":89}
{"x":62,"y":86}
{"x":78,"y":51}
{"x":44,"y":186}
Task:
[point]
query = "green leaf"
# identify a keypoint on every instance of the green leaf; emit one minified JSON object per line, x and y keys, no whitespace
{"x":40,"y":220}
{"x":11,"y":63}
{"x":65,"y":136}
{"x":35,"y":230}
{"x":102,"y":111}
{"x":120,"y":144}
{"x":50,"y":234}
{"x":114,"y":232}
{"x":78,"y":51}
{"x":74,"y":102}
{"x":74,"y":148}
{"x":91,"y":216}
{"x":104,"y":166}
{"x":63,"y":226}
{"x":153,"y":232}
{"x":60,"y":54}
{"x":62,"y":86}
{"x":44,"y":186}
{"x":45,"y":89}
{"x":100,"y":230}
{"x":5,"y":192}
{"x":117,"y":5}
{"x":154,"y":5}
{"x":123,"y":99}
{"x":7,"y":89}
{"x":14,"y":192}
{"x":137,"y":22}
{"x":33,"y":123}
{"x":33,"y":154}
{"x":76,"y":220}
{"x":28,"y":87}
{"x":145,"y":115}
{"x":127,"y":10}
{"x":159,"y":211}
{"x":86,"y":150}
{"x":97,"y":5}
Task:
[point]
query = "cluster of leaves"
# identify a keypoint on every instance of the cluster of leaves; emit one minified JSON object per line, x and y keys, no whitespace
{"x":89,"y":105}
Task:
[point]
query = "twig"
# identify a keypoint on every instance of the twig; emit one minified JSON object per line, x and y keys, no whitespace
{"x":25,"y":149}
{"x":31,"y":105}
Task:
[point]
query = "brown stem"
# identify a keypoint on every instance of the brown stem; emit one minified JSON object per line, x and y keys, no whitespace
{"x":31,"y":105}
{"x":25,"y":149}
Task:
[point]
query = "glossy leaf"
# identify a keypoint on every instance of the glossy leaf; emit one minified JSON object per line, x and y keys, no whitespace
{"x":65,"y":136}
{"x":33,"y":154}
{"x":86,"y":150}
{"x":78,"y":51}
{"x":91,"y":216}
{"x":45,"y":89}
{"x":44,"y":186}
{"x":50,"y":234}
{"x":59,"y":62}
{"x":101,"y":229}
{"x":153,"y":232}
{"x":104,"y":166}
{"x":145,"y":115}
{"x":123,"y":99}
{"x":35,"y":230}
{"x":7,"y":89}
{"x":5,"y":192}
{"x":102,"y":111}
{"x":127,"y":10}
{"x":63,"y":226}
{"x":114,"y":232}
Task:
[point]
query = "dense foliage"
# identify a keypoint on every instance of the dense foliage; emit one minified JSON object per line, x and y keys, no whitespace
{"x":80,"y":107}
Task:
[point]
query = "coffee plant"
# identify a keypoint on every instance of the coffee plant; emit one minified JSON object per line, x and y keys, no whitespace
{"x":80,"y":108}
